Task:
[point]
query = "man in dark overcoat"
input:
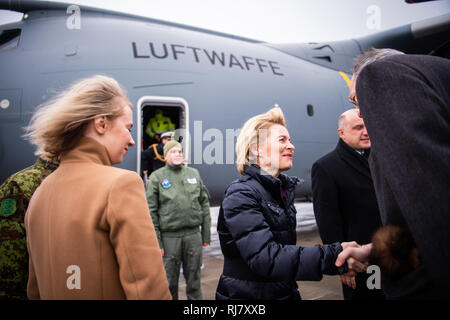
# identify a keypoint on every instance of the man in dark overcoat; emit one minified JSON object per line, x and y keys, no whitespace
{"x":345,"y":205}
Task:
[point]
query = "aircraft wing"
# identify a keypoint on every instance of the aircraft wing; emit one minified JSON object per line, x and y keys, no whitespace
{"x":429,"y":36}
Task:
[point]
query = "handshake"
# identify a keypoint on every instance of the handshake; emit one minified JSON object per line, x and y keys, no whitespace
{"x":357,"y":258}
{"x":392,"y":249}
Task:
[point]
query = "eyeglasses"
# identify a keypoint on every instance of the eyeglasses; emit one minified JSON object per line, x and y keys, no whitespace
{"x":354,"y":100}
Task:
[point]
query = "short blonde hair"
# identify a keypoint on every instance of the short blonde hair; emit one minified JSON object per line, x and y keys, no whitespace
{"x":250,"y":134}
{"x":58,"y":125}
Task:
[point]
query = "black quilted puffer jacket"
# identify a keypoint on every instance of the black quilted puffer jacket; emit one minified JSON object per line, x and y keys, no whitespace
{"x":257,"y":232}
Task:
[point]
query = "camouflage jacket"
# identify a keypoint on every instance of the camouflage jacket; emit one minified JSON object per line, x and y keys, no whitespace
{"x":15,"y":194}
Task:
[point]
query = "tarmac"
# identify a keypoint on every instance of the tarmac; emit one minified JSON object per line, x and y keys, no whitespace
{"x":329,"y":288}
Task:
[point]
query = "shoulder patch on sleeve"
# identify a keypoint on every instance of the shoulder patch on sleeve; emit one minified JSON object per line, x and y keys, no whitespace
{"x":7,"y":207}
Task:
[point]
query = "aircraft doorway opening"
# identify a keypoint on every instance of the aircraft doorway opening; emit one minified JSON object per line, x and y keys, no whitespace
{"x":157,"y":115}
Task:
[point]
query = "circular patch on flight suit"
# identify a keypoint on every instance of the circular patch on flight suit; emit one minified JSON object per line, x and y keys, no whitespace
{"x":166,"y":183}
{"x":8,"y":207}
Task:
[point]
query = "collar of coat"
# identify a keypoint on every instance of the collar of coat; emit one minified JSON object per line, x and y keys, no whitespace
{"x":46,"y":164}
{"x":269,"y":182}
{"x":87,"y":150}
{"x":174,"y":167}
{"x":354,"y":159}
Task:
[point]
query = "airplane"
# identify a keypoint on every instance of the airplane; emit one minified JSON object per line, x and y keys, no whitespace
{"x":208,"y":82}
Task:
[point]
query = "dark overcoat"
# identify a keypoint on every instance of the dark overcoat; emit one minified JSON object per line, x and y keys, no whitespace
{"x":345,"y":205}
{"x":405,"y":103}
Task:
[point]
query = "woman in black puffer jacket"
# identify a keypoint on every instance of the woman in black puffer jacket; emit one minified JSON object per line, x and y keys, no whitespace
{"x":257,"y":223}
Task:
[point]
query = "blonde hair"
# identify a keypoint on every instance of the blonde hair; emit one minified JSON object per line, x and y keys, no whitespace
{"x":58,"y":125}
{"x":250,"y":134}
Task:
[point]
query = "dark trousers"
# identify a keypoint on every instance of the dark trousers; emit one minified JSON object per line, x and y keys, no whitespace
{"x":362,"y":292}
{"x":186,"y":250}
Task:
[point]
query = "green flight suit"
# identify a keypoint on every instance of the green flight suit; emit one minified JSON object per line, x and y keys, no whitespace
{"x":179,"y":206}
{"x":15,"y":194}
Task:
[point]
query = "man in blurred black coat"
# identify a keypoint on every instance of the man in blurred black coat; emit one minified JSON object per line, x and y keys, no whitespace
{"x":345,"y":205}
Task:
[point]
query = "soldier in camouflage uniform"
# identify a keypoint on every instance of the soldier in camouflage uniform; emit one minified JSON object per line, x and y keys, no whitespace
{"x":15,"y":194}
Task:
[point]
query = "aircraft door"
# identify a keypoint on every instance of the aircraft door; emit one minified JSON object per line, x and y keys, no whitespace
{"x":157,"y":115}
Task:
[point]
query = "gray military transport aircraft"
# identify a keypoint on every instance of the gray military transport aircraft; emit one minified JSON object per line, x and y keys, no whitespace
{"x":208,"y":82}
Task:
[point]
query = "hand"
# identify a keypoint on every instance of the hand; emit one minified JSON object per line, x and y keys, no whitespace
{"x":354,"y":264}
{"x":357,"y":257}
{"x":353,"y":244}
{"x":349,"y":279}
{"x":205,"y":244}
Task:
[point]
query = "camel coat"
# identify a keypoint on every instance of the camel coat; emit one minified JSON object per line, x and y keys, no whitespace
{"x":90,"y":234}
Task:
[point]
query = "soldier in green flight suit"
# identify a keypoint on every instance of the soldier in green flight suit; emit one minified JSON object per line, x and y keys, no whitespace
{"x":159,"y":124}
{"x":179,"y":205}
{"x":15,"y":194}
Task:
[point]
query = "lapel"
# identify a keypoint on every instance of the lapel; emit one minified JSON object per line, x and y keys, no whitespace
{"x":353,"y":158}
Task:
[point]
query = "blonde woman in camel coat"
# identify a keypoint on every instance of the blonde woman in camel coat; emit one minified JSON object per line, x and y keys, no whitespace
{"x":89,"y":231}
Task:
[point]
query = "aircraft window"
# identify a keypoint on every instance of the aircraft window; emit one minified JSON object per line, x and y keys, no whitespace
{"x":9,"y":39}
{"x":310,"y":110}
{"x":324,"y":58}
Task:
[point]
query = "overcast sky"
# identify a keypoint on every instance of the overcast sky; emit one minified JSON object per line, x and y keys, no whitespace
{"x":279,"y":21}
